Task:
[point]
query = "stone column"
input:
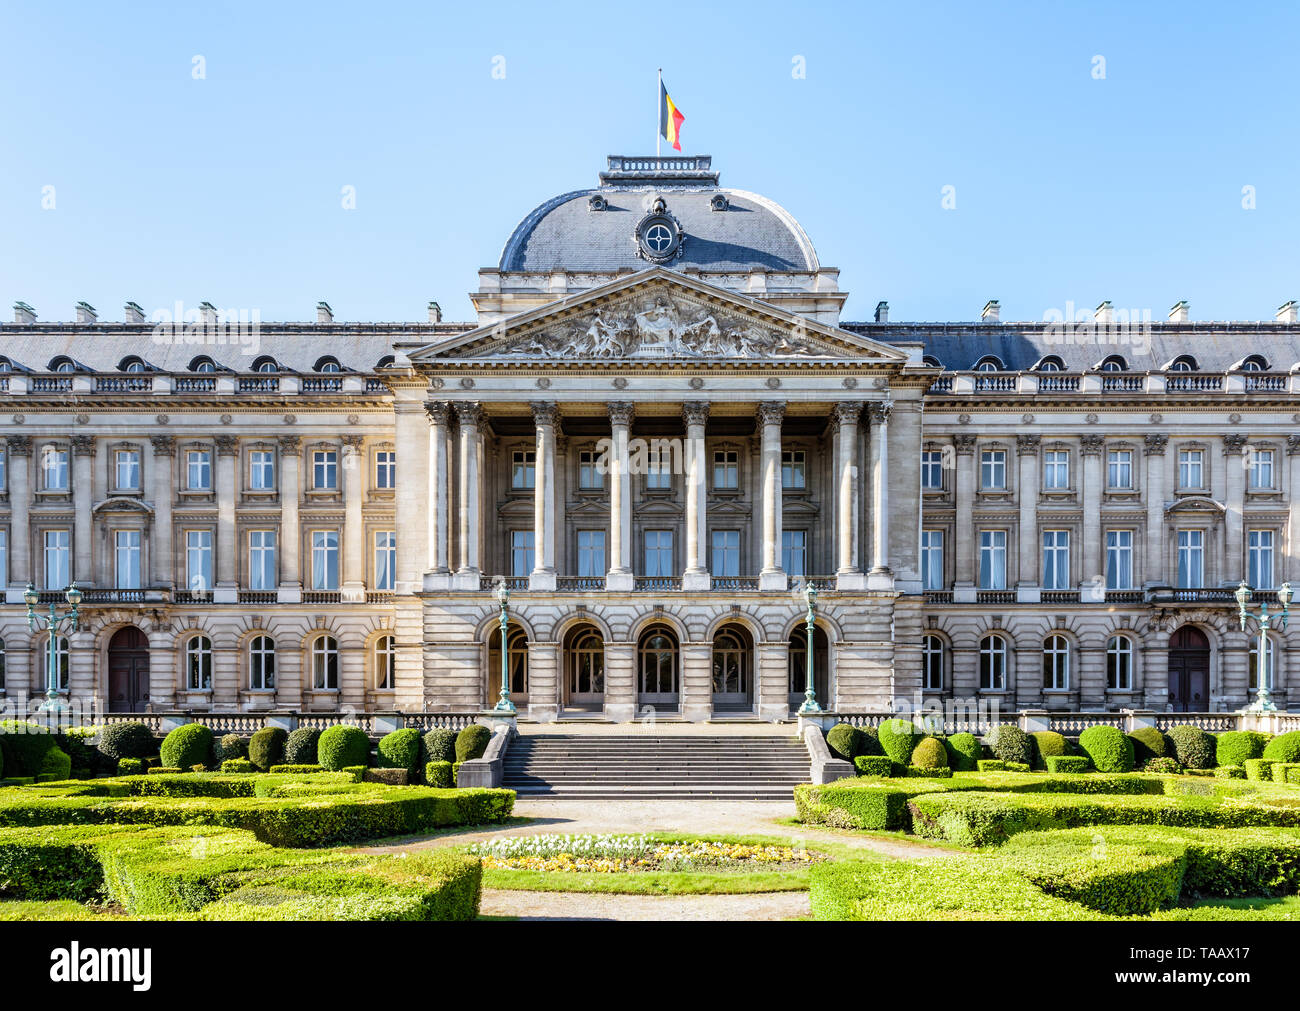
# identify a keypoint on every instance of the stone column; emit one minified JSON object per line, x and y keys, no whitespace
{"x":83,"y":455}
{"x":160,"y":551}
{"x":468,"y":417}
{"x":1234,"y":569}
{"x":226,"y":590}
{"x":290,"y":541}
{"x":773,"y":680}
{"x":849,"y":573}
{"x":1154,"y":571}
{"x":1092,"y":564}
{"x":353,"y":584}
{"x":20,"y":549}
{"x":439,"y":558}
{"x":696,"y":576}
{"x":772,"y":576}
{"x":414,"y":502}
{"x":880,"y":576}
{"x":963,"y":546}
{"x":620,"y":681}
{"x":620,"y":575}
{"x":543,"y":680}
{"x":1292,"y":568}
{"x":697,"y":681}
{"x":1027,"y":585}
{"x":542,"y":577}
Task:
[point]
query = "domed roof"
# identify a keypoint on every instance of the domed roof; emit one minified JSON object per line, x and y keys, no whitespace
{"x":659,"y":210}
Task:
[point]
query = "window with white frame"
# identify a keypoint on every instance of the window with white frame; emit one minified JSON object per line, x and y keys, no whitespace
{"x":126,"y":470}
{"x":1119,"y":469}
{"x":325,"y":663}
{"x":261,"y":663}
{"x":993,"y":663}
{"x":1191,"y":558}
{"x":724,"y":553}
{"x":54,"y":468}
{"x":1119,"y":664}
{"x":589,"y":476}
{"x":198,"y":470}
{"x":522,"y":552}
{"x":385,"y":662}
{"x":1119,"y":559}
{"x":126,"y":559}
{"x":523,"y":470}
{"x":324,"y":559}
{"x":385,"y":469}
{"x":993,"y":470}
{"x":262,"y":573}
{"x":1259,"y":559}
{"x":794,"y":552}
{"x":61,"y":657}
{"x":659,"y":472}
{"x":56,"y":557}
{"x":1056,"y":469}
{"x":932,"y":663}
{"x":658,"y":552}
{"x":1269,"y":668}
{"x":932,"y":470}
{"x":932,"y":559}
{"x":261,"y":470}
{"x":1261,"y":469}
{"x":198,"y":663}
{"x":1191,"y":468}
{"x":198,"y":560}
{"x":325,"y":470}
{"x":591,"y":553}
{"x":993,"y":560}
{"x":1056,"y":663}
{"x":794,"y":469}
{"x":386,"y":560}
{"x":1056,"y":559}
{"x":726,"y":470}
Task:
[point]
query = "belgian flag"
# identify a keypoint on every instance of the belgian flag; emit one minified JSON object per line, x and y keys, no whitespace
{"x":670,"y":119}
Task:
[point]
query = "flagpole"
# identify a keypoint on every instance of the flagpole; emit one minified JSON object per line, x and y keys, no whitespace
{"x":659,"y":97}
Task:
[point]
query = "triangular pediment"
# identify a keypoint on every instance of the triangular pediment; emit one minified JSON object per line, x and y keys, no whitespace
{"x":659,"y":315}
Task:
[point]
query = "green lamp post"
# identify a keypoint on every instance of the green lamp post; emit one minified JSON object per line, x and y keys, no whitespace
{"x":69,"y":622}
{"x":1262,"y":703}
{"x":809,"y":694}
{"x":504,"y":705}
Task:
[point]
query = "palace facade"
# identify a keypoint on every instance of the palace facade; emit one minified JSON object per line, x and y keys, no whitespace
{"x":656,"y":431}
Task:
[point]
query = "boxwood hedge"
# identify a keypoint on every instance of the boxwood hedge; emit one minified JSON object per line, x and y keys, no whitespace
{"x":341,"y":746}
{"x":1234,"y":747}
{"x":187,"y":745}
{"x":1109,"y":749}
{"x":1193,"y":747}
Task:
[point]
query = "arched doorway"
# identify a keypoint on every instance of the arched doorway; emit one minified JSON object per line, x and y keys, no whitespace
{"x":516,"y":664}
{"x":733,"y":670}
{"x":128,"y":671}
{"x":1189,"y":671}
{"x":584,"y":668}
{"x":799,"y":667}
{"x":658,"y":685}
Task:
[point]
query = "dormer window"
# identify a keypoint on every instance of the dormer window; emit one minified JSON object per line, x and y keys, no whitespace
{"x":1255,"y":363}
{"x":6,"y":366}
{"x":1115,"y":363}
{"x":266,"y":364}
{"x":1183,"y":363}
{"x":62,"y":364}
{"x":328,"y":364}
{"x":203,"y":364}
{"x":1050,"y":364}
{"x":989,"y":363}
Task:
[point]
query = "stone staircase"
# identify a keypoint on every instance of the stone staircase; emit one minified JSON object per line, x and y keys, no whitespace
{"x":654,"y":767}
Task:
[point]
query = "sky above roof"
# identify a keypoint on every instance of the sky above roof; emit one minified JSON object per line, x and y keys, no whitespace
{"x":1162,"y":172}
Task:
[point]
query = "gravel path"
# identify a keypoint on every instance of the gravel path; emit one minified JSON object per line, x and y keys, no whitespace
{"x":575,"y":906}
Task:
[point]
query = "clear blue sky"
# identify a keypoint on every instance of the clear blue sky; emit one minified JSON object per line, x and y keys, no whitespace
{"x":229,"y":188}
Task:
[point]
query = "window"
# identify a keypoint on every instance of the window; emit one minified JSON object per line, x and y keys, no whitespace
{"x":198,"y":664}
{"x":325,"y":470}
{"x":1119,"y":559}
{"x":385,"y":662}
{"x":4,"y":561}
{"x":127,"y":469}
{"x":198,"y":560}
{"x":589,"y":476}
{"x":1268,"y":664}
{"x":1119,"y":468}
{"x":385,"y":469}
{"x":1056,"y":663}
{"x":198,"y":470}
{"x":324,"y":559}
{"x":794,"y":552}
{"x":1260,"y":559}
{"x":4,"y":468}
{"x":1056,"y":469}
{"x":725,"y":553}
{"x":1191,"y":558}
{"x":1119,"y":664}
{"x":1114,"y":364}
{"x":1190,"y":468}
{"x":261,"y":663}
{"x":328,"y":365}
{"x":591,"y":553}
{"x":325,"y":664}
{"x":261,"y":560}
{"x":993,"y":663}
{"x":261,"y":470}
{"x":726,"y":470}
{"x":993,"y":560}
{"x":1183,"y":363}
{"x":1261,"y":469}
{"x":57,"y":543}
{"x":659,"y":474}
{"x":522,"y":554}
{"x":523,"y":470}
{"x":63,"y":365}
{"x":658,"y":662}
{"x":1056,"y":559}
{"x":932,"y":663}
{"x":203,"y":364}
{"x":126,"y":559}
{"x":794,"y":469}
{"x":993,"y":470}
{"x":266,"y":365}
{"x":54,"y":468}
{"x":385,"y":560}
{"x":932,"y":559}
{"x":60,"y":660}
{"x":932,"y":470}
{"x":658,"y":552}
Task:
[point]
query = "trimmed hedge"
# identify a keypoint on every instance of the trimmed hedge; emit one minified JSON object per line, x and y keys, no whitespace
{"x":1286,"y":772}
{"x":929,"y":753}
{"x":991,"y":765}
{"x":130,"y":766}
{"x":1047,"y":743}
{"x":1067,"y":764}
{"x":1283,"y":748}
{"x":401,"y":750}
{"x":342,"y":746}
{"x":295,"y":769}
{"x":76,"y":741}
{"x":874,"y":765}
{"x":388,"y":777}
{"x":1259,"y":769}
{"x":24,"y":746}
{"x":266,"y":747}
{"x":126,"y":740}
{"x":1235,"y":746}
{"x":440,"y":745}
{"x":438,"y":774}
{"x":1164,"y":765}
{"x":924,"y":772}
{"x":238,"y":765}
{"x":1230,"y":772}
{"x":300,"y":746}
{"x":187,"y":746}
{"x":229,"y":746}
{"x":898,"y":737}
{"x":1149,"y":743}
{"x":472,"y":742}
{"x":963,"y":752}
{"x":844,"y":741}
{"x":165,"y":770}
{"x":1193,"y":747}
{"x":1011,"y":744}
{"x":1109,"y":748}
{"x":55,"y":765}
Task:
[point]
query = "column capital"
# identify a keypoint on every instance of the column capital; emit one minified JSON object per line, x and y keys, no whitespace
{"x":290,"y":445}
{"x":83,"y":445}
{"x":1027,"y":444}
{"x":847,"y":412}
{"x":545,"y":413}
{"x":964,"y":443}
{"x":1293,"y":444}
{"x":353,"y":443}
{"x":771,"y":412}
{"x":227,"y":445}
{"x":469,"y":414}
{"x":1234,"y":442}
{"x":19,"y":445}
{"x":163,"y":445}
{"x":621,"y":412}
{"x":695,"y":412}
{"x":878,"y":411}
{"x":1091,"y":444}
{"x":439,"y":411}
{"x":1155,"y":443}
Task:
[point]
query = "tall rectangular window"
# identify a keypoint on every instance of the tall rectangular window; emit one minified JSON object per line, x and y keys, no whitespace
{"x":724,"y":554}
{"x":932,"y":559}
{"x":1261,"y":469}
{"x":325,"y":470}
{"x":385,"y":469}
{"x":1260,"y":559}
{"x":1191,"y":558}
{"x":4,"y":468}
{"x":523,"y":470}
{"x":794,"y":552}
{"x":591,"y":553}
{"x":521,"y":552}
{"x":993,"y":560}
{"x":1056,"y":559}
{"x":126,"y":559}
{"x":589,"y":476}
{"x":726,"y":470}
{"x":54,"y":468}
{"x":993,"y":470}
{"x":385,"y":560}
{"x":127,"y":466}
{"x":261,"y":560}
{"x":932,"y":470}
{"x":57,"y":543}
{"x":198,"y":470}
{"x":658,"y":552}
{"x":324,"y":559}
{"x":198,"y":560}
{"x":794,"y":469}
{"x":1190,"y":468}
{"x":4,"y":581}
{"x":261,"y":470}
{"x":1056,"y":469}
{"x":1119,"y":559}
{"x":1119,"y":469}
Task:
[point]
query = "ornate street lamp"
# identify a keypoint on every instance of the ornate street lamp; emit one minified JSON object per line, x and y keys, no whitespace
{"x":504,"y":705}
{"x":809,"y":694}
{"x":1262,"y":703}
{"x":69,"y":622}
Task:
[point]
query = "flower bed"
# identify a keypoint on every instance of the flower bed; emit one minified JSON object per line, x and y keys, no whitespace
{"x":618,"y":854}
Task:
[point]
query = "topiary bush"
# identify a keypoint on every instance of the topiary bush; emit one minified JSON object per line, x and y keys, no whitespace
{"x":1193,"y":747}
{"x":898,"y":737}
{"x":930,"y":753}
{"x":1259,"y":769}
{"x":126,"y":740}
{"x":187,"y":746}
{"x":1011,"y":744}
{"x":1066,"y":764}
{"x":1163,"y":764}
{"x":870,"y":742}
{"x":55,"y":765}
{"x":1149,"y":743}
{"x":342,"y":746}
{"x":401,"y":750}
{"x":472,"y":742}
{"x":963,"y":752}
{"x":1230,"y":772}
{"x":845,"y":741}
{"x":24,"y":746}
{"x":230,"y":746}
{"x":1283,"y":748}
{"x":76,"y":742}
{"x":1234,"y":747}
{"x":266,"y":747}
{"x":130,"y":766}
{"x":874,"y":765}
{"x":440,"y":745}
{"x":240,"y":765}
{"x":1047,"y":743}
{"x":991,"y":765}
{"x":300,"y":746}
{"x":438,"y":773}
{"x":1109,"y":748}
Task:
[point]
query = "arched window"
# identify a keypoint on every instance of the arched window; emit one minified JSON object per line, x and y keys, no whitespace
{"x":325,"y":663}
{"x":203,"y":364}
{"x":386,"y":362}
{"x":62,"y":364}
{"x":1255,"y":363}
{"x":586,"y":664}
{"x":657,"y":661}
{"x":516,"y":661}
{"x":131,"y":364}
{"x":328,"y":364}
{"x":1183,"y":363}
{"x":1269,"y":669}
{"x":1119,"y":664}
{"x":730,"y":663}
{"x":61,"y":660}
{"x":932,"y":361}
{"x":993,"y":663}
{"x":1051,"y":363}
{"x":6,"y":366}
{"x":261,"y":664}
{"x":266,"y":364}
{"x":932,"y":663}
{"x":1056,"y":663}
{"x":989,"y":363}
{"x":385,"y":654}
{"x":198,"y":664}
{"x":1114,"y":363}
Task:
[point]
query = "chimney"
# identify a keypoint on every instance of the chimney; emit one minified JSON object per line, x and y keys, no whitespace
{"x":86,"y":313}
{"x":1104,"y":313}
{"x":991,"y":313}
{"x":435,"y":312}
{"x":882,"y":312}
{"x":24,"y":313}
{"x":324,"y":314}
{"x":1285,"y":312}
{"x":208,"y":313}
{"x":1178,"y":312}
{"x":132,"y":313}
